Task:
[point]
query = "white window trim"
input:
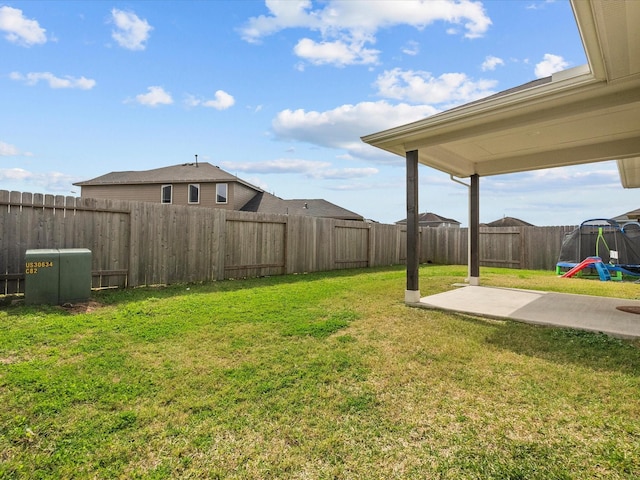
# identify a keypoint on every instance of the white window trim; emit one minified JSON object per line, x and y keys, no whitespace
{"x":226,"y":194}
{"x":162,"y":194}
{"x":197,"y":185}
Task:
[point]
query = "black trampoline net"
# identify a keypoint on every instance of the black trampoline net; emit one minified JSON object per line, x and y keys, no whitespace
{"x":606,"y":239}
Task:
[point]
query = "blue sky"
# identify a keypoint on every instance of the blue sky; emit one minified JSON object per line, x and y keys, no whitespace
{"x":279,"y":93}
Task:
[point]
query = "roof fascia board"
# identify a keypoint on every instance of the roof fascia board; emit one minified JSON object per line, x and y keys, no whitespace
{"x":576,"y":94}
{"x":522,"y":116}
{"x":591,"y":42}
{"x":477,"y":112}
{"x":624,"y":174}
{"x":627,"y":167}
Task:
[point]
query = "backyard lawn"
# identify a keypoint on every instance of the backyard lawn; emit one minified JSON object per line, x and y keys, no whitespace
{"x":319,"y":376}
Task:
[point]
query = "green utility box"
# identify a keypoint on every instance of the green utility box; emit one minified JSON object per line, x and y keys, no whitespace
{"x":57,"y":276}
{"x":42,"y":274}
{"x":75,"y":275}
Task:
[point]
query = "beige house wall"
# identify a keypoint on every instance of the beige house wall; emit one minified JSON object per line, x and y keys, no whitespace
{"x":139,"y":193}
{"x":238,"y":195}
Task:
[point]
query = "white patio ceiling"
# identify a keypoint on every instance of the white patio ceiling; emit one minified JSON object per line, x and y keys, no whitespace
{"x":582,"y":115}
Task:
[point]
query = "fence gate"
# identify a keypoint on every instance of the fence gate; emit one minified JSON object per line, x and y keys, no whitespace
{"x":352,"y":246}
{"x":255,"y":248}
{"x":502,"y":247}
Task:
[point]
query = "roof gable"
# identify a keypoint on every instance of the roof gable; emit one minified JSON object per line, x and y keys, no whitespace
{"x":509,"y":222}
{"x":633,"y":215}
{"x":430,"y":217}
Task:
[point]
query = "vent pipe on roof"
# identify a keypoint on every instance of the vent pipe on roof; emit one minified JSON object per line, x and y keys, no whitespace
{"x":196,"y":160}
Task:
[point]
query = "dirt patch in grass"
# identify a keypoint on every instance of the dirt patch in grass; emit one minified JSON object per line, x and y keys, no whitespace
{"x":82,"y":307}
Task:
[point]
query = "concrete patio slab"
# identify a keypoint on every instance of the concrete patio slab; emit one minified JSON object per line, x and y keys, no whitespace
{"x":583,"y":312}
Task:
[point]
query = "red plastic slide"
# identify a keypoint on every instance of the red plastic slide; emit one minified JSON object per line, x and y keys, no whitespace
{"x":587,"y":262}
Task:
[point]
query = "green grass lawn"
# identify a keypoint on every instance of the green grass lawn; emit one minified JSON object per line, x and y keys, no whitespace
{"x":317,"y":376}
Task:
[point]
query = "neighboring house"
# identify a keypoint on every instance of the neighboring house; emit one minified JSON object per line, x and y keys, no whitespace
{"x":186,"y":184}
{"x":429,"y":219}
{"x":632,"y":216}
{"x":508,"y":222}
{"x":264,"y":202}
{"x":204,"y":185}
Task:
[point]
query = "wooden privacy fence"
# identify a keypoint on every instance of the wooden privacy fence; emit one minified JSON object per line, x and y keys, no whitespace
{"x":535,"y":248}
{"x":136,"y":243}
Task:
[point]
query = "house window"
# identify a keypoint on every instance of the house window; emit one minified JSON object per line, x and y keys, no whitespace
{"x":194,"y":193}
{"x":221,"y":193}
{"x":167,"y":193}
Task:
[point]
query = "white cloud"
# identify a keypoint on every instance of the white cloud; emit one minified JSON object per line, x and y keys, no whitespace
{"x":560,"y":179}
{"x":358,"y":17}
{"x":491,"y":62}
{"x":539,"y":6}
{"x":344,"y":173}
{"x":67,"y":81}
{"x":337,"y":53}
{"x":20,"y":30}
{"x":284,"y":14}
{"x":282,"y":165}
{"x":258,"y":182}
{"x":156,"y":96}
{"x":550,"y":65}
{"x":558,"y":196}
{"x":581,"y":176}
{"x":343,"y":126}
{"x":346,"y":27}
{"x":7,"y":150}
{"x":15,"y":174}
{"x":352,"y":187}
{"x":309,"y":168}
{"x":47,"y":181}
{"x":222,"y":101}
{"x":131,"y":31}
{"x":412,"y":48}
{"x":422,"y":87}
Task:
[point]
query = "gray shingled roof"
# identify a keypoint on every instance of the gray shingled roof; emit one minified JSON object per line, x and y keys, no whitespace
{"x":429,"y":217}
{"x":633,"y":215}
{"x":266,"y":203}
{"x":184,"y":173}
{"x":508,"y":222}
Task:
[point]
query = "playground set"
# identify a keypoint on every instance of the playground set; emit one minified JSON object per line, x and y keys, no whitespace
{"x":601,"y":248}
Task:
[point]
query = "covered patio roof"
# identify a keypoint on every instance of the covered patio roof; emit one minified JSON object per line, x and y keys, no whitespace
{"x":581,"y":115}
